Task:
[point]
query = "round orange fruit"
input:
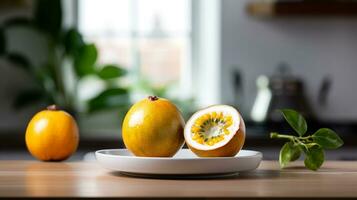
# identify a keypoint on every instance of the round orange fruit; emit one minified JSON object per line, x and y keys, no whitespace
{"x":52,"y":135}
{"x":153,"y":127}
{"x":216,"y":131}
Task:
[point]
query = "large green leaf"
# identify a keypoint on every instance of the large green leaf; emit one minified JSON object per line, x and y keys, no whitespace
{"x":289,"y":152}
{"x":85,"y":60}
{"x":18,"y":60}
{"x":48,"y":16}
{"x":314,"y":157}
{"x":296,"y":121}
{"x":327,"y":138}
{"x":2,"y":41}
{"x":110,"y":72}
{"x":28,"y":97}
{"x":73,"y":42}
{"x":108,"y":99}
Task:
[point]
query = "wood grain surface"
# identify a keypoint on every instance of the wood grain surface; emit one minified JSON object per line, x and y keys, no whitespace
{"x":88,"y":179}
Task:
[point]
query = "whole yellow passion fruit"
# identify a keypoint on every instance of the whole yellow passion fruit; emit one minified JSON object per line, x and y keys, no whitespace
{"x":153,"y":127}
{"x":52,"y":135}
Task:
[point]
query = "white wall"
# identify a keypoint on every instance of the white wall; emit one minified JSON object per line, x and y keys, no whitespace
{"x":314,"y":47}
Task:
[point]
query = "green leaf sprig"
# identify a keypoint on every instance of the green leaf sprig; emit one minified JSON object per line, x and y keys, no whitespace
{"x":311,"y":145}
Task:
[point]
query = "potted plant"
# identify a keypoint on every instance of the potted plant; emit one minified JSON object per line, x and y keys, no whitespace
{"x":65,"y":48}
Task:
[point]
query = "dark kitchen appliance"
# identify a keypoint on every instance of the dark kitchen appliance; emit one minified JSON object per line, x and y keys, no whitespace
{"x":284,"y":90}
{"x":287,"y":92}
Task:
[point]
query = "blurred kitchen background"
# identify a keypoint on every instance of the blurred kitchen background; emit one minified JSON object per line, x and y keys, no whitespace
{"x":94,"y":58}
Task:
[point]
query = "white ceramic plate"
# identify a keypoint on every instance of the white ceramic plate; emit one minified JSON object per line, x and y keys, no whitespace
{"x":183,"y":163}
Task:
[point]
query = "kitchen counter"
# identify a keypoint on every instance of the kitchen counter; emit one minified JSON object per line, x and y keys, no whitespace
{"x":88,"y":179}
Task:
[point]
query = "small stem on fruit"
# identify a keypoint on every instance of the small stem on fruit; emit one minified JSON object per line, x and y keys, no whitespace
{"x":52,"y":107}
{"x":153,"y":98}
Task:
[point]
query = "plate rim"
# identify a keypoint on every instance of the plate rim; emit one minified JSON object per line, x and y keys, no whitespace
{"x":100,"y":153}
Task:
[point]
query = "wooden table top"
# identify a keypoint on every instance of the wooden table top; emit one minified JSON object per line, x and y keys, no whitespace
{"x":88,"y":179}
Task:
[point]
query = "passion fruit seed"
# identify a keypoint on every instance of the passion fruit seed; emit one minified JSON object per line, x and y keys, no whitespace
{"x":211,"y":128}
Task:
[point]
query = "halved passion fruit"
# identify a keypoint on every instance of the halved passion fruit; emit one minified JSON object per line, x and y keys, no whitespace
{"x":216,"y":131}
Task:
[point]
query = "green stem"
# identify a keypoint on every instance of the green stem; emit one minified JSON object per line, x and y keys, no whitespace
{"x":276,"y":135}
{"x":294,"y":139}
{"x":305,"y":138}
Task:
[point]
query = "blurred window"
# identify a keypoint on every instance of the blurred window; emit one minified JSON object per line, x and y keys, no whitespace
{"x":150,"y":38}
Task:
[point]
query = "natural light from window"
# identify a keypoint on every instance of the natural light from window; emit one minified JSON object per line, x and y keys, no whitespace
{"x":152,"y":39}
